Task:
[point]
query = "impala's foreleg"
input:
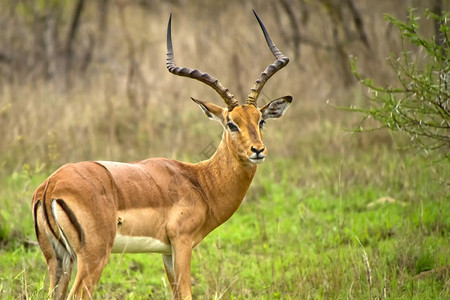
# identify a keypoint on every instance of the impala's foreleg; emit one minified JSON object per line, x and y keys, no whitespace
{"x":180,"y":282}
{"x":182,"y":252}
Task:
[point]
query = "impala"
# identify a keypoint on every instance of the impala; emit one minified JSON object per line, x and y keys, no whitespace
{"x":85,"y":211}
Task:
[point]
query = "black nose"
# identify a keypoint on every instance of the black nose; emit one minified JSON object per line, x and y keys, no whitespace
{"x":257,"y":151}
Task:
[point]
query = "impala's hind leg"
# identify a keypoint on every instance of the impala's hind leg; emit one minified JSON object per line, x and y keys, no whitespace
{"x":89,"y":271}
{"x":59,"y":266}
{"x":91,"y":250}
{"x":61,"y":273}
{"x":59,"y":261}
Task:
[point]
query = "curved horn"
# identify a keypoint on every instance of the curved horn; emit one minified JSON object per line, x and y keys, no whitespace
{"x":196,"y":74}
{"x":280,"y":63}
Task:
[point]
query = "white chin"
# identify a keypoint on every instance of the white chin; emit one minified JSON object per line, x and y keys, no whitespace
{"x":257,"y":160}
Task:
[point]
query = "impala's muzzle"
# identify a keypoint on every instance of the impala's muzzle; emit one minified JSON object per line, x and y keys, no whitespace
{"x":258,"y":155}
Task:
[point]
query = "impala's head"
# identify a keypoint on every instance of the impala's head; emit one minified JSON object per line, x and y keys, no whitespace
{"x":242,"y":123}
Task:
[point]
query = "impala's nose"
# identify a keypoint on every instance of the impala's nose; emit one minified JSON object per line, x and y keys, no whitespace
{"x":258,"y":156}
{"x":256,"y":150}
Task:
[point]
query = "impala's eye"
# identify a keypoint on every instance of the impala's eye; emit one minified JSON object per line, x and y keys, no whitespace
{"x":262,"y":123}
{"x":233,"y":127}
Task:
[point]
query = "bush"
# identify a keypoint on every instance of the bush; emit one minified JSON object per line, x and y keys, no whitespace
{"x":419,"y":105}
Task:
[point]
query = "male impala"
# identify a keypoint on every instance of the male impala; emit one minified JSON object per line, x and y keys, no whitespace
{"x":85,"y":211}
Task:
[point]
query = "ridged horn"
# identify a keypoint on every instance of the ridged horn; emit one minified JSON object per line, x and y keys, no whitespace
{"x":281,"y":62}
{"x":196,"y":74}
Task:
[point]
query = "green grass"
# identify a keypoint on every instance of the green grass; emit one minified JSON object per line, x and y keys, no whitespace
{"x":287,"y":241}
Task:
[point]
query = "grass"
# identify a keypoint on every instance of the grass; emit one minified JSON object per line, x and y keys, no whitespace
{"x":385,"y":239}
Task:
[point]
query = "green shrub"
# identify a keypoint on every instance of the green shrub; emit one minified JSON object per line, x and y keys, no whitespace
{"x":419,"y":103}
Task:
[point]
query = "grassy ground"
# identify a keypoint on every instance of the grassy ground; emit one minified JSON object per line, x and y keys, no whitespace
{"x":339,"y":235}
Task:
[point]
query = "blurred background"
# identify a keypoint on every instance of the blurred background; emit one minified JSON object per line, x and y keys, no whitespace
{"x":86,"y":80}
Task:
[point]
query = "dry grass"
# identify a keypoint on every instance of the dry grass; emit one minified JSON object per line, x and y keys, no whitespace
{"x":108,"y":115}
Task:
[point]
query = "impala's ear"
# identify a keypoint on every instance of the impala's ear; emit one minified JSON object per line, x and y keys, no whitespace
{"x":276,"y":108}
{"x":212,"y":111}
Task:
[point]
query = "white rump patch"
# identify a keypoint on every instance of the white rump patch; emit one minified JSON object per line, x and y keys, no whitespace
{"x":67,"y":245}
{"x":139,"y":244}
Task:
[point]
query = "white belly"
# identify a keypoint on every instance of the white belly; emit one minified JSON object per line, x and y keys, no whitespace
{"x":139,"y":244}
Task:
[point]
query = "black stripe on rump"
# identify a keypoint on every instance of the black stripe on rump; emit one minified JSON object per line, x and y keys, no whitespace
{"x":73,"y":219}
{"x":36,"y":228}
{"x":47,"y":219}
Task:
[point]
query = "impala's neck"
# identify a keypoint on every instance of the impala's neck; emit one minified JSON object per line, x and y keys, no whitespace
{"x":234,"y":176}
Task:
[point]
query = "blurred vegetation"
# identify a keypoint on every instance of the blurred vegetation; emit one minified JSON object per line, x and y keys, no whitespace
{"x":420,"y":105}
{"x":87,"y":80}
{"x":331,"y":214}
